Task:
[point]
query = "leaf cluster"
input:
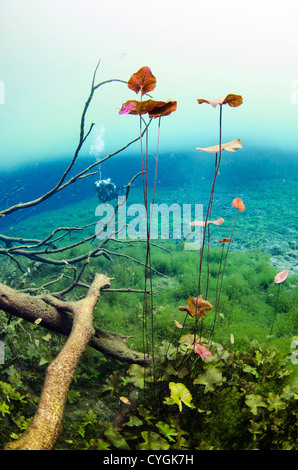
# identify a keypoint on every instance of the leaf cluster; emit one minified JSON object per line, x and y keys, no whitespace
{"x":233,"y":400}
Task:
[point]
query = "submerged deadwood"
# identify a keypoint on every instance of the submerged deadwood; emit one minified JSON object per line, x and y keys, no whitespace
{"x":46,"y":426}
{"x":41,"y":308}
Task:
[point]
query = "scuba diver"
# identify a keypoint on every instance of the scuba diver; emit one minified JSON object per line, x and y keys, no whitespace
{"x":106,"y":190}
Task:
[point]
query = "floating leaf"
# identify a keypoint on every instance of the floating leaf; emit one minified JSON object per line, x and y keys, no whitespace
{"x":202,"y":224}
{"x":197,"y":306}
{"x":225,"y":240}
{"x":179,"y":394}
{"x":125,"y":400}
{"x":210,"y":379}
{"x":282,"y":276}
{"x":238,"y":204}
{"x":201,"y":350}
{"x":232,"y":146}
{"x":193,"y":308}
{"x":231,"y":100}
{"x":152,"y":107}
{"x":142,"y":80}
{"x":128,"y":107}
{"x":163,"y":108}
{"x":136,"y":107}
{"x":178,"y":324}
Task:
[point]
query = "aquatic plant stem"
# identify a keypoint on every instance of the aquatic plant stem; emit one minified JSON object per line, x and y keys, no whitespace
{"x":273,"y":320}
{"x":218,"y":292}
{"x":210,"y":203}
{"x":208,"y":213}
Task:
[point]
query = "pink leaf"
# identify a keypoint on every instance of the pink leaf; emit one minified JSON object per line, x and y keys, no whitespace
{"x":202,"y":224}
{"x":281,"y":277}
{"x":128,"y":107}
{"x":201,"y":350}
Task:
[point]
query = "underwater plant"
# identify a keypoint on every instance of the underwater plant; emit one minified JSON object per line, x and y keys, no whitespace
{"x":142,"y":82}
{"x":239,"y":206}
{"x":233,"y":101}
{"x":279,"y":279}
{"x":200,"y":395}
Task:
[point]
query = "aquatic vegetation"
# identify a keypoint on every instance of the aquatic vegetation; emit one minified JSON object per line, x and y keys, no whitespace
{"x":144,"y":81}
{"x":279,"y":278}
{"x":223,"y":401}
{"x":211,"y":388}
{"x":233,"y":101}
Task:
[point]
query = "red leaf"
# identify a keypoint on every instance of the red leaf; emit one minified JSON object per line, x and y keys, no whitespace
{"x":225,"y":240}
{"x":142,"y":80}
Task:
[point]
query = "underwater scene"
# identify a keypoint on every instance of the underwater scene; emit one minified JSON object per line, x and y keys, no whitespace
{"x":148,"y":285}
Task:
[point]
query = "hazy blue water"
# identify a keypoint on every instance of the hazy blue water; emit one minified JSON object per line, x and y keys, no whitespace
{"x":265,"y":179}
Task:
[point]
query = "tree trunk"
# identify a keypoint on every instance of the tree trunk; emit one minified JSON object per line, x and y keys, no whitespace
{"x":46,"y":425}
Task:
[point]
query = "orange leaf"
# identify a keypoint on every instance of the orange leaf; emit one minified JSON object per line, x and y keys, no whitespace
{"x":238,"y":204}
{"x":214,"y":102}
{"x":136,"y":107}
{"x":281,"y":277}
{"x":229,"y":147}
{"x":142,"y":80}
{"x":197,"y":305}
{"x":163,"y":108}
{"x":154,"y":108}
{"x":125,"y":400}
{"x":225,"y":240}
{"x":231,"y":100}
{"x":178,"y":324}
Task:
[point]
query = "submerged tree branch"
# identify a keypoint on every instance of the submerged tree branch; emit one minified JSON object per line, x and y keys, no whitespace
{"x":46,"y":426}
{"x":32,"y":308}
